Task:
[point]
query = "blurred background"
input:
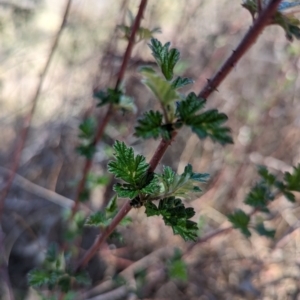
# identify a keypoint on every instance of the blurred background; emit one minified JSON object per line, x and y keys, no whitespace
{"x":260,"y":97}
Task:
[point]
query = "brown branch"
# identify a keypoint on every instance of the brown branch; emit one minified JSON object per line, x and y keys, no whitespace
{"x":248,"y":40}
{"x":28,"y":118}
{"x":102,"y":125}
{"x":245,"y":44}
{"x":160,"y":151}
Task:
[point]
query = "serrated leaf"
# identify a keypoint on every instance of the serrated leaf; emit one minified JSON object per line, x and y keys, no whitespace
{"x":175,"y":215}
{"x":263,"y":231}
{"x":182,"y":185}
{"x":39,"y":278}
{"x":268,"y":177}
{"x":112,"y":207}
{"x":240,"y":220}
{"x":86,"y":150}
{"x":108,"y":96}
{"x":161,"y":88}
{"x":165,"y":58}
{"x":187,"y":108}
{"x":259,"y":196}
{"x":126,"y":190}
{"x":87,"y":128}
{"x":207,"y":124}
{"x":150,"y":126}
{"x":97,"y":219}
{"x":292,"y":181}
{"x":180,"y":82}
{"x":151,"y":209}
{"x":64,"y":283}
{"x":132,"y":169}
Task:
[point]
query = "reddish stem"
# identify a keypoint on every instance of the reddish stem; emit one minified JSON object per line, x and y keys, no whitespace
{"x":160,"y":151}
{"x":245,"y":44}
{"x":102,"y":125}
{"x":248,"y":40}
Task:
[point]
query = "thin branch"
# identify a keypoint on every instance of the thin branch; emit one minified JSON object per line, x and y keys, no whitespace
{"x":245,"y":44}
{"x":248,"y":40}
{"x":28,"y":118}
{"x":102,"y":125}
{"x":160,"y":151}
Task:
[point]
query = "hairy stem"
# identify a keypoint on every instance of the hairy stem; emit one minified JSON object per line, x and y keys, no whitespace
{"x":102,"y":125}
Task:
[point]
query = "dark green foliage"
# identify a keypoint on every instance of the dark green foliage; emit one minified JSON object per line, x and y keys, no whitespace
{"x":133,"y":170}
{"x":127,"y":167}
{"x":261,"y":229}
{"x":177,"y":268}
{"x":150,"y":126}
{"x":87,"y":128}
{"x":259,"y":196}
{"x":207,"y":124}
{"x":108,"y":96}
{"x":292,"y":181}
{"x":268,"y":177}
{"x":240,"y":220}
{"x":97,"y":219}
{"x":180,"y":82}
{"x":87,"y":151}
{"x":175,"y":215}
{"x":165,"y":58}
{"x":55,"y":274}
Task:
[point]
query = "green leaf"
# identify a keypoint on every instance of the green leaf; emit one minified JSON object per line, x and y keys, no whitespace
{"x":161,"y":88}
{"x":109,"y":96}
{"x":87,"y":128}
{"x":165,"y":58}
{"x":207,"y":124}
{"x":132,"y":169}
{"x":64,"y":283}
{"x":126,"y":104}
{"x":87,"y":150}
{"x":39,"y":278}
{"x":259,"y":196}
{"x":142,"y":33}
{"x":240,"y":220}
{"x":180,"y":82}
{"x":262,"y":230}
{"x":97,"y":219}
{"x":150,"y":125}
{"x":292,"y":181}
{"x":126,"y":190}
{"x":52,"y":253}
{"x":172,"y":184}
{"x":112,"y":207}
{"x":268,"y":177}
{"x":175,"y":215}
{"x":177,"y":268}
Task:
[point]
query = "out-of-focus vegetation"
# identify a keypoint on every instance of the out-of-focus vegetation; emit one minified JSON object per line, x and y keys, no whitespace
{"x":260,"y":97}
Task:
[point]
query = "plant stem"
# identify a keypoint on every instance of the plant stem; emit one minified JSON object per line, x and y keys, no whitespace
{"x":103,"y":123}
{"x":212,"y":84}
{"x":160,"y":151}
{"x":245,"y":44}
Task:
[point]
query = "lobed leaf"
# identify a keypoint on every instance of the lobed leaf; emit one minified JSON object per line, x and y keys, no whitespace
{"x":240,"y":220}
{"x":165,"y":58}
{"x":175,"y":215}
